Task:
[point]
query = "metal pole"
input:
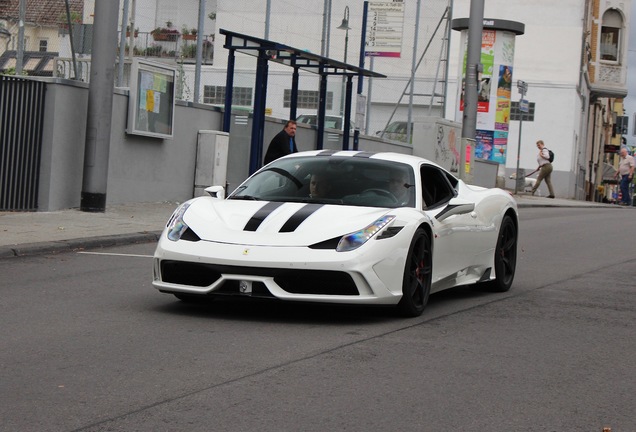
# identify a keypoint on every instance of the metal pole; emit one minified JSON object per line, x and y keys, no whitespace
{"x":131,"y":38}
{"x":100,"y":108}
{"x":268,"y":11}
{"x":363,"y":41}
{"x":197,"y":69}
{"x":258,"y":118}
{"x":473,"y":66}
{"x":20,"y":53}
{"x":122,"y":44}
{"x":367,"y":117}
{"x":409,"y":128}
{"x":328,"y":39}
{"x":347,"y":124}
{"x":449,"y":12}
{"x":229,"y":85}
{"x":70,"y":36}
{"x":523,"y":87}
{"x":344,"y":26}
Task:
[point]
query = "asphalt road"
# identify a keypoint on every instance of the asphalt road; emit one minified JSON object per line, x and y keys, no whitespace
{"x":88,"y":345}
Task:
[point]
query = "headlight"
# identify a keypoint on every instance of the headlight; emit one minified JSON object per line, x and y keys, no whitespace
{"x":356,"y":239}
{"x":176,"y":225}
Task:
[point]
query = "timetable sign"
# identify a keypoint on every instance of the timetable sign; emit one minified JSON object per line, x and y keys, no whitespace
{"x":385,"y":26}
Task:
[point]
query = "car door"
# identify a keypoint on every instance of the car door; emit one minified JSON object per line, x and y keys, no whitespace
{"x":455,"y":223}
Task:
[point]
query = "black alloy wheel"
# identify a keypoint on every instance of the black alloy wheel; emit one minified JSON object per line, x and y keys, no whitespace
{"x":505,"y":257}
{"x":418,"y":274}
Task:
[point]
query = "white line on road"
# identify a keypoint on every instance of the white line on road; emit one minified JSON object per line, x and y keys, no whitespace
{"x":115,"y":254}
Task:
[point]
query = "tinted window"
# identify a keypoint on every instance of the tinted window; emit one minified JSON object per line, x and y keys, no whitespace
{"x":344,"y":181}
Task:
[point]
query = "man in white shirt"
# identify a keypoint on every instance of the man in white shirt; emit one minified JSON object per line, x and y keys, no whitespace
{"x":626,"y":171}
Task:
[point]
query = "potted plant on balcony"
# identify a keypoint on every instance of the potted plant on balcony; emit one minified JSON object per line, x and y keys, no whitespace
{"x":188,"y":34}
{"x":128,"y":31}
{"x":167,"y":33}
{"x":192,"y":35}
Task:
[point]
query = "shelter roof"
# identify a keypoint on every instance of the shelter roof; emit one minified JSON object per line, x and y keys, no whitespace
{"x":290,"y":56}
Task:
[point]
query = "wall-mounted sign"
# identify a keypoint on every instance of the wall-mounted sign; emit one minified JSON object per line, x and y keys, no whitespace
{"x":151,"y":99}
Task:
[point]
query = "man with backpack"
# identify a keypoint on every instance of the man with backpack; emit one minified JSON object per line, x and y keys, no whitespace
{"x":544,"y":159}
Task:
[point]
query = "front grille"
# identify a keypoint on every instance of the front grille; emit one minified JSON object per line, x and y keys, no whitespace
{"x":187,"y":273}
{"x":318,"y":282}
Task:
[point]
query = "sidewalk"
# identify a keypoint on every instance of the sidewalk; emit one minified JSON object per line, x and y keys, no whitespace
{"x":34,"y":233}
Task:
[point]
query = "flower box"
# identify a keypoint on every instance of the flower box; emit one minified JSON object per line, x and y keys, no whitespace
{"x":165,"y":35}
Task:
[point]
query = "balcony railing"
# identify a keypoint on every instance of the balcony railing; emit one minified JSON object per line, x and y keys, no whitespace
{"x":177,"y":46}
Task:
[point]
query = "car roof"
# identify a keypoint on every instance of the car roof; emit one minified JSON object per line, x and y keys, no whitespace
{"x":412,"y":160}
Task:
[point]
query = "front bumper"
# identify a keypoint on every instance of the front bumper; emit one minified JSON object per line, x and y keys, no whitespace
{"x":371,"y":274}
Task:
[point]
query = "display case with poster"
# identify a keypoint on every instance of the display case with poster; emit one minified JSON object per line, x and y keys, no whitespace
{"x":152,"y":99}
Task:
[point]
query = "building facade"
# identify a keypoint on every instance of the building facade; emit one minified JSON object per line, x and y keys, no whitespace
{"x":572,"y":55}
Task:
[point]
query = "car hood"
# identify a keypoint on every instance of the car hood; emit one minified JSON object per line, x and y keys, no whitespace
{"x":275,"y":223}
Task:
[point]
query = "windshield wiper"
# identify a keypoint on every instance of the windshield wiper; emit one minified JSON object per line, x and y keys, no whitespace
{"x":245,"y":197}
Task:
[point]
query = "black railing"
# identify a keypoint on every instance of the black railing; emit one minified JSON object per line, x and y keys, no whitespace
{"x":21,"y":123}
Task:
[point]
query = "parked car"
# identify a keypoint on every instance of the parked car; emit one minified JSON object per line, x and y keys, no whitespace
{"x":331,"y":122}
{"x":389,"y":229}
{"x":396,"y":131}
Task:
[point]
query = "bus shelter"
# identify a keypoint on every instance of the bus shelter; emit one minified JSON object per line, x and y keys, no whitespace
{"x":268,"y":51}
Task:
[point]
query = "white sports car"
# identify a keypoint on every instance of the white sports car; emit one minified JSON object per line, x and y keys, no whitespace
{"x":341,"y":226}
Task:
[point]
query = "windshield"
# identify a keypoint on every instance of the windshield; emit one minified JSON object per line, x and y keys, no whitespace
{"x":332,"y":180}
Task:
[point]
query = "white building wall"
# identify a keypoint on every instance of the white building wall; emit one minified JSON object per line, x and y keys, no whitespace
{"x":548,"y":59}
{"x":299,"y":24}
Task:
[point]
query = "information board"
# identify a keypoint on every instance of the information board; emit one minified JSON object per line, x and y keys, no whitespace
{"x":151,"y":99}
{"x":385,"y":25}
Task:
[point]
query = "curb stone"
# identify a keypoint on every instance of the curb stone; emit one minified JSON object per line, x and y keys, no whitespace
{"x":71,"y":245}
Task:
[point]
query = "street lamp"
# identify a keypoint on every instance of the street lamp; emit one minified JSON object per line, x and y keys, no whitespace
{"x":344,"y":26}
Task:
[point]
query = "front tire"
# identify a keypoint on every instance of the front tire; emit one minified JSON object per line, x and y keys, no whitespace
{"x":418,"y":274}
{"x":505,"y":257}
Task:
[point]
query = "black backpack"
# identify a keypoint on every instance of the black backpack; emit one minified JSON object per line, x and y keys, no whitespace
{"x":551,"y":155}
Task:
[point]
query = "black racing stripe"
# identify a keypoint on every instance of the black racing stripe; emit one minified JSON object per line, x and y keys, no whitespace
{"x":364,"y":154}
{"x":327,"y":152}
{"x":260,"y":215}
{"x":299,"y":217}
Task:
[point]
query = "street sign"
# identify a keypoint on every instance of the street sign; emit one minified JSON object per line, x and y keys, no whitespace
{"x":385,"y":25}
{"x":524,"y":105}
{"x":522,"y":86}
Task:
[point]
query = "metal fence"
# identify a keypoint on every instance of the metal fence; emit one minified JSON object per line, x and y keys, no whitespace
{"x":21,"y":121}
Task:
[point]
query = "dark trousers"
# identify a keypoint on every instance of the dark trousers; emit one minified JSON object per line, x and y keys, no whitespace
{"x":625,"y":198}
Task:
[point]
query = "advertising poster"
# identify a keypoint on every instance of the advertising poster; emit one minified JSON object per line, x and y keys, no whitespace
{"x":484,"y":141}
{"x":500,"y":147}
{"x":494,"y":93}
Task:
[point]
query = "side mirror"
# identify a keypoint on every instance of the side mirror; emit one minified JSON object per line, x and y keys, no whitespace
{"x":455,"y":206}
{"x":216,"y":191}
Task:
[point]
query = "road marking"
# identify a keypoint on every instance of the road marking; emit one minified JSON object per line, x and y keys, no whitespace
{"x":115,"y":254}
